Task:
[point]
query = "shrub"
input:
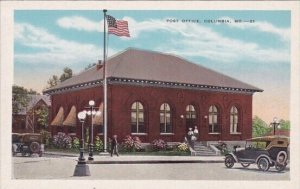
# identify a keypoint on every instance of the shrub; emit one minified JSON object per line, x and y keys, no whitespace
{"x":61,"y":140}
{"x":98,"y":144}
{"x":76,"y":143}
{"x":46,"y":137}
{"x":131,"y":143}
{"x":158,"y":144}
{"x":169,"y":148}
{"x":182,"y":147}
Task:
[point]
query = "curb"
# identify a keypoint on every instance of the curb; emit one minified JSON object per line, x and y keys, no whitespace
{"x":135,"y":161}
{"x":60,"y":154}
{"x":155,"y":162}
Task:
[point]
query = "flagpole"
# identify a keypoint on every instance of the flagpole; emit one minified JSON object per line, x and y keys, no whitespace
{"x":105,"y":83}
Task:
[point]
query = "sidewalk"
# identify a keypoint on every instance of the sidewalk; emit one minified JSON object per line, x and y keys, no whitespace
{"x":135,"y":159}
{"x":140,"y":159}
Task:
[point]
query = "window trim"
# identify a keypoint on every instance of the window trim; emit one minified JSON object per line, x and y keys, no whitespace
{"x":234,"y":113}
{"x":139,"y":134}
{"x":167,"y":133}
{"x":165,"y":112}
{"x":137,"y":111}
{"x":189,"y":112}
{"x":213,"y":114}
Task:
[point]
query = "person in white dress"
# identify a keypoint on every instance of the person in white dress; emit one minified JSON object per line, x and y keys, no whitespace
{"x":196,"y":132}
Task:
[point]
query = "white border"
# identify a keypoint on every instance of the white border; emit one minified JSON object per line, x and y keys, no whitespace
{"x":6,"y":66}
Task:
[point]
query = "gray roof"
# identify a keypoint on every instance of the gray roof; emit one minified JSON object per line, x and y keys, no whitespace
{"x":34,"y":99}
{"x":156,"y":66}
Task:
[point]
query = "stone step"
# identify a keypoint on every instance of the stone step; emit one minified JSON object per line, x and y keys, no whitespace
{"x":205,"y":154}
{"x":204,"y":151}
{"x":201,"y":147}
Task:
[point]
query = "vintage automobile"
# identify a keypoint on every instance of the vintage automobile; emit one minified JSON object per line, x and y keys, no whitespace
{"x":27,"y":144}
{"x":266,"y":152}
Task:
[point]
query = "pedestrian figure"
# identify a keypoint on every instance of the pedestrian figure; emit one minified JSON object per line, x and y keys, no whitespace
{"x":196,"y":132}
{"x":114,"y":146}
{"x":190,"y":136}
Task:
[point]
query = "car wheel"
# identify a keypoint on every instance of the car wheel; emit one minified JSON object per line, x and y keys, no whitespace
{"x":280,"y":167}
{"x":34,"y":147}
{"x":245,"y":164}
{"x":281,"y":157}
{"x":263,"y":164}
{"x":229,"y":161}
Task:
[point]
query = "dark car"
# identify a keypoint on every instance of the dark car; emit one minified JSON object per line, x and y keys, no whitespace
{"x":27,"y":144}
{"x":265,"y":151}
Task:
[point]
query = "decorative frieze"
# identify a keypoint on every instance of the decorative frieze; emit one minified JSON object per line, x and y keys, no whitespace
{"x":151,"y":83}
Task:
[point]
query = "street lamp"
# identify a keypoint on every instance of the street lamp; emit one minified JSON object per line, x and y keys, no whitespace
{"x":275,"y":124}
{"x":91,"y":111}
{"x":81,"y":116}
{"x":81,"y":169}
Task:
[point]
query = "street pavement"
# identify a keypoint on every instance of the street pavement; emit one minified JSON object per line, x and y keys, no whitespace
{"x":62,"y":167}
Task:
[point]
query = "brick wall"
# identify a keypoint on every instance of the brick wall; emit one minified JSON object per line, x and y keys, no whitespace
{"x":121,"y":97}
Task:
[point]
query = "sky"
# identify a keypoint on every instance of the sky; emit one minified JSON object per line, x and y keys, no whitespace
{"x":251,"y":46}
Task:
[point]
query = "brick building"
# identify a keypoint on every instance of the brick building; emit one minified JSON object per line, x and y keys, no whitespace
{"x":156,"y":96}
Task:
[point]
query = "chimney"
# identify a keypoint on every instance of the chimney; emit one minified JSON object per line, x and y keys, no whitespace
{"x":99,"y":65}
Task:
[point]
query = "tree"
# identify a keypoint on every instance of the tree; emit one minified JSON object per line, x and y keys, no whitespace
{"x":20,"y":97}
{"x":285,"y":124}
{"x":66,"y":75}
{"x":42,"y":116}
{"x":259,"y":127}
{"x":53,"y":81}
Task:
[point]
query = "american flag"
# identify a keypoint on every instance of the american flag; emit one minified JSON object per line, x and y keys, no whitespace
{"x":117,"y":27}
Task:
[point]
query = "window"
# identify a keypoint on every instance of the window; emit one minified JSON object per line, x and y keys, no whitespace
{"x":71,"y":129}
{"x":213,"y":119}
{"x":137,"y":118}
{"x":165,"y":118}
{"x":233,"y":120}
{"x":190,"y":112}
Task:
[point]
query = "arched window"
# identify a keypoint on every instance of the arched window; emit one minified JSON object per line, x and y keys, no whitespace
{"x":190,"y":112}
{"x":234,"y":115}
{"x":213,"y":119}
{"x":137,"y":118}
{"x":165,"y":118}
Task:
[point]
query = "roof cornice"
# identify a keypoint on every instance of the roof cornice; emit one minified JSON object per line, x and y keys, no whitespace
{"x":151,"y":83}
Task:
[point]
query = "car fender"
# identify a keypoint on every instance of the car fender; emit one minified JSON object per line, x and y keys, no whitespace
{"x":14,"y":148}
{"x":234,"y":156}
{"x":263,"y":155}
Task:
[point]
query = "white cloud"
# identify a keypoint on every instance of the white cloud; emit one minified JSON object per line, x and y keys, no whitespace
{"x":283,"y":33}
{"x":202,"y":41}
{"x":50,"y":49}
{"x":80,"y":23}
{"x":198,"y":40}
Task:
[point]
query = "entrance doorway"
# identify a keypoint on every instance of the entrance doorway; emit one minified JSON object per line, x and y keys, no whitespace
{"x":190,"y":117}
{"x":190,"y":123}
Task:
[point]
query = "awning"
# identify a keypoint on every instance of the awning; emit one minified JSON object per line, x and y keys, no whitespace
{"x":98,"y":120}
{"x":59,"y":118}
{"x":71,"y":118}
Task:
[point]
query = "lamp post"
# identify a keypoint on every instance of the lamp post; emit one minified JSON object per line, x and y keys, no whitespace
{"x":82,"y":169}
{"x":275,"y":124}
{"x":81,"y":116}
{"x":91,"y":112}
